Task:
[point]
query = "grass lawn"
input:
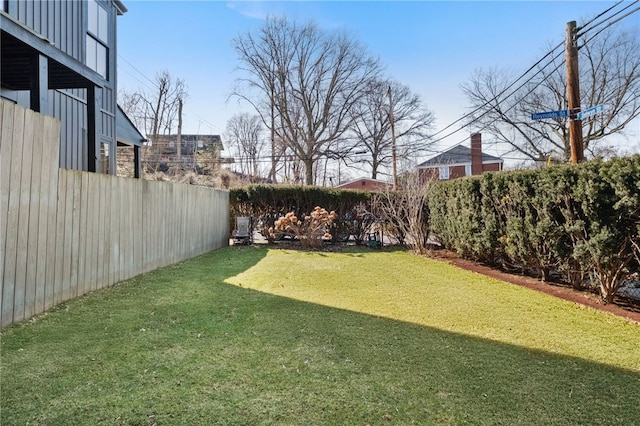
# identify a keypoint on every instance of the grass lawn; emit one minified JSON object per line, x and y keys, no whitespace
{"x":260,"y":336}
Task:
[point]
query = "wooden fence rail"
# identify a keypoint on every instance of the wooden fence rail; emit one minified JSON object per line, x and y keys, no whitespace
{"x":65,"y":233}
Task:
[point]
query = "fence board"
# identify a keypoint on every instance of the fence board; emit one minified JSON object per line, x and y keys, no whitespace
{"x":23,"y":217}
{"x":82,"y":226}
{"x":6,"y":130}
{"x":170,"y":240}
{"x":131,"y":226}
{"x":61,"y":216}
{"x":114,"y":234}
{"x":100,"y":232}
{"x":153,"y":232}
{"x":75,"y":233}
{"x":52,"y":147}
{"x":122,"y":238}
{"x":88,"y":256}
{"x":68,"y":236}
{"x":92,"y":232}
{"x":165,"y":215}
{"x":35,"y":196}
{"x":12,"y":125}
{"x":137,"y":230}
{"x":43,"y":215}
{"x":125,"y":230}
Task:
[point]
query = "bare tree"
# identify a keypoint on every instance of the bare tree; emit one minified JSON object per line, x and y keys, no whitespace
{"x":244,"y":134}
{"x":155,"y":111}
{"x":309,"y":79}
{"x":609,"y":75}
{"x":263,"y":58}
{"x":371,"y":126}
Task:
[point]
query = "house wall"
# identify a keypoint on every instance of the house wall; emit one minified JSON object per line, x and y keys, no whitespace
{"x":491,"y":167}
{"x":58,"y":21}
{"x":455,"y":172}
{"x":429,"y":173}
{"x":65,"y":233}
{"x":64,"y":23}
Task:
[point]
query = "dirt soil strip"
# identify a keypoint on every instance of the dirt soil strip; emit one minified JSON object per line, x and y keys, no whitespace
{"x":567,"y":293}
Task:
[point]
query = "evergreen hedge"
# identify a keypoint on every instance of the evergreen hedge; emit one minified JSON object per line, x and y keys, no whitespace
{"x":579,"y":221}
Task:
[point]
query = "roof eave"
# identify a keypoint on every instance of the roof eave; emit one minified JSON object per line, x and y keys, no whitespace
{"x":122,"y":9}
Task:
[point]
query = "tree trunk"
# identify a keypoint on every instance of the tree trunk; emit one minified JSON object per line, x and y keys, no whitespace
{"x":374,"y":170}
{"x":272,"y":173}
{"x":309,"y":177}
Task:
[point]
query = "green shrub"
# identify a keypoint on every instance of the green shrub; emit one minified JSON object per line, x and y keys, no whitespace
{"x":576,"y":220}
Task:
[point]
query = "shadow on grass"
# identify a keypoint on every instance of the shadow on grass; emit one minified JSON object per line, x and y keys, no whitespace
{"x":179,"y":346}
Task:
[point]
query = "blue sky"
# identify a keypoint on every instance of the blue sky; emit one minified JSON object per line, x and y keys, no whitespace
{"x":431,"y":46}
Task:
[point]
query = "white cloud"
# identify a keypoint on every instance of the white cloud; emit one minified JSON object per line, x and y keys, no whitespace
{"x":249,"y":9}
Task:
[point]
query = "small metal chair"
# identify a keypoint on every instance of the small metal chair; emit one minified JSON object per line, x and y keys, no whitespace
{"x":243,"y":234}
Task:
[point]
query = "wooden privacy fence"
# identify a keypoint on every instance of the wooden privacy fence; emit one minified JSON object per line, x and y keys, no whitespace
{"x":65,"y":233}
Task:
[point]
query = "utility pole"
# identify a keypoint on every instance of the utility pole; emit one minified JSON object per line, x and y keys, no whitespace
{"x":179,"y":136}
{"x":573,"y":94}
{"x":393,"y":142}
{"x":272,"y":173}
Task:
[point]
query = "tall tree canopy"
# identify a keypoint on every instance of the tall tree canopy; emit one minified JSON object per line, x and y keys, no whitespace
{"x":304,"y":83}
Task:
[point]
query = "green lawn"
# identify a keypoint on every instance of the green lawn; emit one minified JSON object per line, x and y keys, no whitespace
{"x":259,"y":336}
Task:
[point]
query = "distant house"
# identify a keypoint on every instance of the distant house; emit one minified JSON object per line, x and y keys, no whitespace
{"x":162,"y":151}
{"x":59,"y":58}
{"x":366,"y":184}
{"x":460,"y":161}
{"x":189,"y":144}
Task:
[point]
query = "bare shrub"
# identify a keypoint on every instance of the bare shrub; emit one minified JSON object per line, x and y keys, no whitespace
{"x":405,"y":212}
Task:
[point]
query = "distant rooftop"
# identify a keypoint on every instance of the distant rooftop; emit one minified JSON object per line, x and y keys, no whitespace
{"x":459,"y":154}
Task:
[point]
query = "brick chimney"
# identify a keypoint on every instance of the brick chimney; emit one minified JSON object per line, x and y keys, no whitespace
{"x":476,"y":154}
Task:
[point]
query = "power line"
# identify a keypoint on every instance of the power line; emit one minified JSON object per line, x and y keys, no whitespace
{"x":496,"y":96}
{"x":139,"y":72}
{"x":499,"y":95}
{"x":615,"y":21}
{"x":154,"y":86}
{"x":583,"y":29}
{"x":585,"y":25}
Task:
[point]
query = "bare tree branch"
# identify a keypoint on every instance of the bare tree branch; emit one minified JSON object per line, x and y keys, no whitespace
{"x":244,"y":134}
{"x":371,"y":125}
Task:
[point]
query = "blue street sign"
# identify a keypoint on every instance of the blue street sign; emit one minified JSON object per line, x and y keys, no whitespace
{"x":590,"y":111}
{"x":550,"y":114}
